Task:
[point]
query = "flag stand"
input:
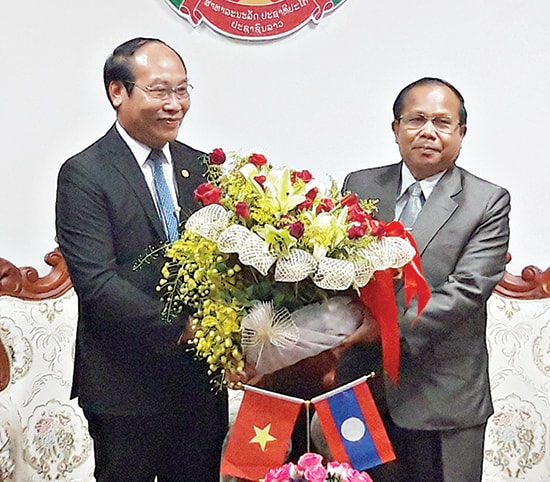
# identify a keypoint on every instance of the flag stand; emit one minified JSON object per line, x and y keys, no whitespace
{"x":307,"y":403}
{"x":348,"y":417}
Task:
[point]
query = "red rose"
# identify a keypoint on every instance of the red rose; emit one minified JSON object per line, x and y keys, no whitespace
{"x":325,"y":206}
{"x":207,"y":194}
{"x":258,"y":160}
{"x":260,"y":180}
{"x":285,"y":221}
{"x":357,"y":230}
{"x":304,"y":175}
{"x":296,"y":229}
{"x":357,"y":214}
{"x":241,"y":208}
{"x":310,"y":196}
{"x":217,"y":156}
{"x":350,"y":200}
{"x":377,"y":228}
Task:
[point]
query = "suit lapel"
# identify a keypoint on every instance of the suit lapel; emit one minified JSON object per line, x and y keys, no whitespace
{"x":437,"y":209}
{"x":381,"y":183}
{"x":188,"y":173}
{"x":384,"y":187}
{"x":125,"y":162}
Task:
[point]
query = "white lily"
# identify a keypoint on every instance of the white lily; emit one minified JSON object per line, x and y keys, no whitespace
{"x":327,"y":232}
{"x":281,"y":192}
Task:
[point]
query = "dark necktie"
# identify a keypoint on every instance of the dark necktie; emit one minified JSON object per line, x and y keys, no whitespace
{"x":413,"y":206}
{"x":164,"y":198}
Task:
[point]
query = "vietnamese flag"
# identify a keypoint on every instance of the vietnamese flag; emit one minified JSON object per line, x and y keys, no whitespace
{"x":353,"y":427}
{"x":260,"y":437}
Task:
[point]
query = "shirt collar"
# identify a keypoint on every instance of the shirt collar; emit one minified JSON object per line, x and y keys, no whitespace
{"x":426,"y":184}
{"x":139,"y":150}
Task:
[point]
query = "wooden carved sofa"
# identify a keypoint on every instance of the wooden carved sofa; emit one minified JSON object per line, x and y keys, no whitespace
{"x":518,"y":334}
{"x":43,"y":434}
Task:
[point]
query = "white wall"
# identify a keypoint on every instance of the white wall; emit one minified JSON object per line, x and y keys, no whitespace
{"x":319,"y":99}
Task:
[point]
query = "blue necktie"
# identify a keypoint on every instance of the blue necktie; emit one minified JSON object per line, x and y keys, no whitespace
{"x":414,"y":205}
{"x":164,"y":198}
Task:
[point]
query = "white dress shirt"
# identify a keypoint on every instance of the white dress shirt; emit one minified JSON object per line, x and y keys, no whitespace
{"x":407,"y":179}
{"x":141,"y":153}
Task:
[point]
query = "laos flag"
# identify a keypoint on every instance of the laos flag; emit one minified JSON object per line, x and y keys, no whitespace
{"x":353,"y":427}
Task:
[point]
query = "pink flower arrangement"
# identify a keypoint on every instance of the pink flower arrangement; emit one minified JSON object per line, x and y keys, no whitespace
{"x":310,"y":468}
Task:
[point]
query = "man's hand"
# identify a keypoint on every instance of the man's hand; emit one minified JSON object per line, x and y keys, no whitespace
{"x":367,"y":332}
{"x":248,"y":376}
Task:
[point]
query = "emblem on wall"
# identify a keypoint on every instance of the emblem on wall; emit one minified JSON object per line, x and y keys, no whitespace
{"x":254,"y":19}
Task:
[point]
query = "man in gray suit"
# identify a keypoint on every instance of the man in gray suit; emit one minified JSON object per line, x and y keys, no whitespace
{"x":149,"y":405}
{"x":437,"y":412}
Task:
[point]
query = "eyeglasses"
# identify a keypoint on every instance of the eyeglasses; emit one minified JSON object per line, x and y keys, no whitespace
{"x":443,"y":124}
{"x":162,"y":92}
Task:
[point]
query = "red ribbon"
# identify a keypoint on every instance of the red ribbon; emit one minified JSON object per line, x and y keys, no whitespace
{"x":378,"y":296}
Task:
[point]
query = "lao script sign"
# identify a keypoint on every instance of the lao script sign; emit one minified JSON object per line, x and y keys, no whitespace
{"x":254,"y":19}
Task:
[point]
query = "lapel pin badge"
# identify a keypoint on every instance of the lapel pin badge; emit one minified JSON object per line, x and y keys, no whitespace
{"x":185,"y":173}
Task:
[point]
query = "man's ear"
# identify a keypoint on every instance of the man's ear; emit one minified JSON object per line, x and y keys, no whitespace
{"x":116,"y":92}
{"x":395,"y":129}
{"x":463,"y":130}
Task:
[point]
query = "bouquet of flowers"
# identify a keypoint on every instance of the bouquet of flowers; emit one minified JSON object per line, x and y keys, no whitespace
{"x":269,"y":245}
{"x":310,"y":469}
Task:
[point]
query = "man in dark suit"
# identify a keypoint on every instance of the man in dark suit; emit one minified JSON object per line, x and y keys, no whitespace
{"x":437,"y":411}
{"x":149,"y":404}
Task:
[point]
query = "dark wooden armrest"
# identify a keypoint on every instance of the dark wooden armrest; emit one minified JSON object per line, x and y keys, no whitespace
{"x":532,"y":284}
